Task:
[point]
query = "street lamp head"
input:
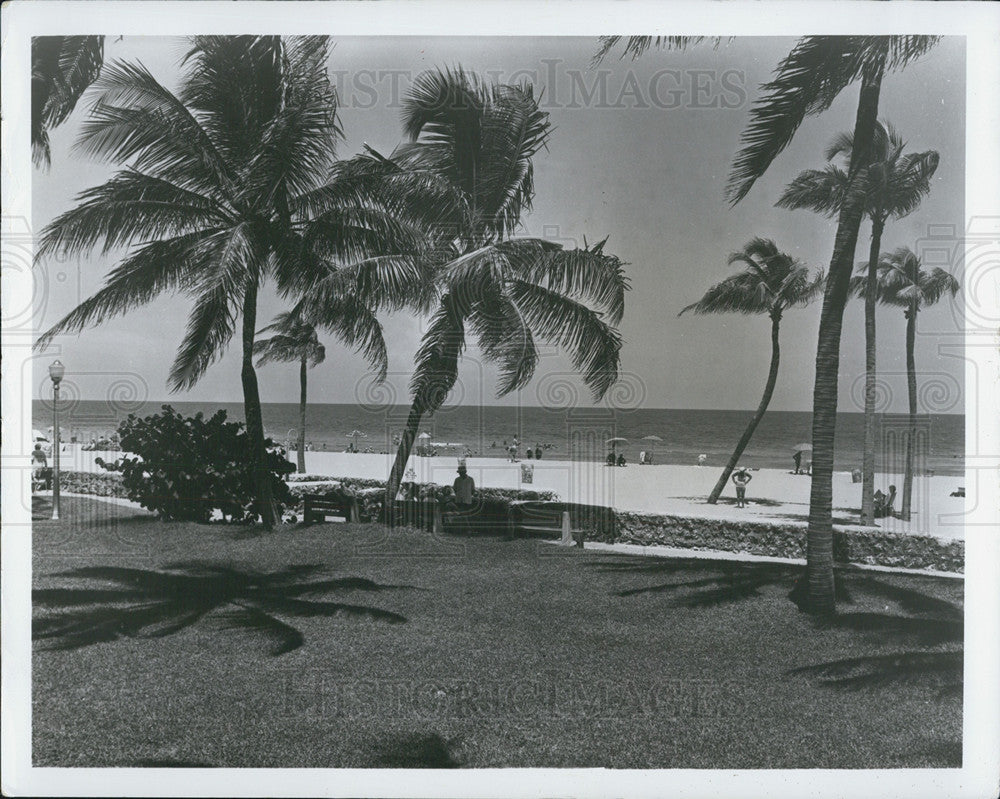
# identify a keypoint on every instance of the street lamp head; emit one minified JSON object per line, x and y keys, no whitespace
{"x":56,"y":371}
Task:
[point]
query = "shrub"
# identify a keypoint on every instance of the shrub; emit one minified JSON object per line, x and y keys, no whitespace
{"x":186,"y":468}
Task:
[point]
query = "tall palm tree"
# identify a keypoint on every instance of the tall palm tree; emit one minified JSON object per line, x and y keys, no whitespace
{"x":294,"y":340}
{"x":771,"y":282}
{"x":62,"y":67}
{"x":904,"y":283}
{"x":894,"y":183}
{"x":806,"y":82}
{"x":505,"y":291}
{"x":225,"y":184}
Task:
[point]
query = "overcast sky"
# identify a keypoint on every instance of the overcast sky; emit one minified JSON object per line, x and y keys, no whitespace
{"x":639,"y":153}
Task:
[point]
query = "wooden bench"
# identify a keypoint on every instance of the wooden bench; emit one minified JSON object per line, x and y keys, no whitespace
{"x":532,"y":516}
{"x":319,"y":507}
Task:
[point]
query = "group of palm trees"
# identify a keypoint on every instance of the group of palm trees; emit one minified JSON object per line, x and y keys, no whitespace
{"x":893,"y":183}
{"x":807,"y":82}
{"x":234,"y":181}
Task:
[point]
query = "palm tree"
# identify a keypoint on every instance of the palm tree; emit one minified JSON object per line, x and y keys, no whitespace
{"x":294,"y":340}
{"x":806,"y":82}
{"x":904,"y":283}
{"x":894,"y":185}
{"x":505,"y":291}
{"x":771,"y":282}
{"x":62,"y":67}
{"x":223,"y":187}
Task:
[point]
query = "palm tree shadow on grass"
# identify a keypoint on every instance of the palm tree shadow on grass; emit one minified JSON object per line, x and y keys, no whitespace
{"x":921,"y":621}
{"x":712,"y":582}
{"x":153,"y":604}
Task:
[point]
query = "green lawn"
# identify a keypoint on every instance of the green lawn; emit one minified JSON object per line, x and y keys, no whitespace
{"x":347,"y":645}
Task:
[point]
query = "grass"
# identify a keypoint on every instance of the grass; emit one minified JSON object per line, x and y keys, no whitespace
{"x":349,"y":646}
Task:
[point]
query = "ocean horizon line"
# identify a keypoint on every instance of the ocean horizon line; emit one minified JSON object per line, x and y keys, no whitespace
{"x":125,"y":404}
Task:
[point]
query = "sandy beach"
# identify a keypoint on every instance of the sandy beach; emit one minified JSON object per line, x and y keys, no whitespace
{"x":774,"y":495}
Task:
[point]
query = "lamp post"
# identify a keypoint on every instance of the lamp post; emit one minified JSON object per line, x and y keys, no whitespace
{"x":56,"y":372}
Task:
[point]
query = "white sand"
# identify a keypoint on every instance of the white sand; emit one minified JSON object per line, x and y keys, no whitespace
{"x":774,"y":495}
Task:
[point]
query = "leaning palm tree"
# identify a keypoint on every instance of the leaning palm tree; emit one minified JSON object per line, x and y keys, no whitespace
{"x":225,"y":184}
{"x":505,"y":291}
{"x":894,"y":183}
{"x":294,"y":340}
{"x":771,"y":283}
{"x":62,"y":67}
{"x":904,"y":283}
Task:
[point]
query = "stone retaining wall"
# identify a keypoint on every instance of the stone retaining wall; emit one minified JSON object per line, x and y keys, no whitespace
{"x":875,"y":547}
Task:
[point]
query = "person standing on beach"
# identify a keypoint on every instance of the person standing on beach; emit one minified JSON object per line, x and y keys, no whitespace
{"x":797,"y":460}
{"x":740,"y":479}
{"x":538,"y":451}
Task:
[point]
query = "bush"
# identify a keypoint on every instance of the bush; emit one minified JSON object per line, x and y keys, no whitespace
{"x":189,"y":468}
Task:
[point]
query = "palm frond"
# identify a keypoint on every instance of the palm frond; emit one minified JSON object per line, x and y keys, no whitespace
{"x":135,"y":120}
{"x":771,"y":280}
{"x":436,"y":360}
{"x":353,"y":323}
{"x":237,"y":264}
{"x":157,"y":267}
{"x":806,"y":82}
{"x":585,"y":274}
{"x":209,"y":329}
{"x":593,"y":345}
{"x":62,"y":68}
{"x":505,"y":339}
{"x":909,"y":182}
{"x":635,"y":46}
{"x":130,"y":206}
{"x":819,"y":190}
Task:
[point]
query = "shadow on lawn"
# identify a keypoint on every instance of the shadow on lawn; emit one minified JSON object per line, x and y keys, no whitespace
{"x":154,"y":604}
{"x":418,"y":751}
{"x":888,"y":613}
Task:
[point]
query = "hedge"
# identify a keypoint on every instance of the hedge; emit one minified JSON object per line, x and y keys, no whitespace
{"x":875,"y":547}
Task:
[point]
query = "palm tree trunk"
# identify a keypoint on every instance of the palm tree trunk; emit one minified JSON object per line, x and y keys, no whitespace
{"x":404,"y":450}
{"x":911,"y":387}
{"x":819,"y":536}
{"x":868,"y":461}
{"x":772,"y":377}
{"x":254,"y":418}
{"x":302,"y":418}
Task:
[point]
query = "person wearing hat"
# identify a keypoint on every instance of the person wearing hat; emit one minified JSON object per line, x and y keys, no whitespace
{"x":741,"y":477}
{"x":465,"y":489}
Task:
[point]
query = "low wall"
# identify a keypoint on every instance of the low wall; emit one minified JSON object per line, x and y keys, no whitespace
{"x":875,"y":547}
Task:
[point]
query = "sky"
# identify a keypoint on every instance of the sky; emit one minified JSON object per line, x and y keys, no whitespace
{"x":640,"y":152}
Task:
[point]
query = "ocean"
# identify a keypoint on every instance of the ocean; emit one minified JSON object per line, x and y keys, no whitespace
{"x":563,"y":433}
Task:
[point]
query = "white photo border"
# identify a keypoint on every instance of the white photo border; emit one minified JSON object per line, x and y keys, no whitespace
{"x":979,"y":23}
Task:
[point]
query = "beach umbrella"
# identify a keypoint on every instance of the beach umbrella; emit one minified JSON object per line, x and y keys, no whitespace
{"x":36,"y":435}
{"x":424,"y":436}
{"x":802,"y":448}
{"x":615,"y":442}
{"x":652,"y":441}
